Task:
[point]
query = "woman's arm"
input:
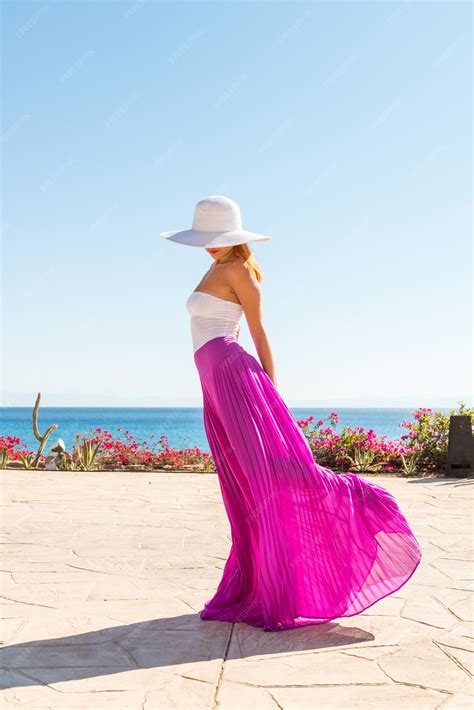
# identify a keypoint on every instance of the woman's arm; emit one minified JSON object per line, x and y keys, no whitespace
{"x":246,"y":287}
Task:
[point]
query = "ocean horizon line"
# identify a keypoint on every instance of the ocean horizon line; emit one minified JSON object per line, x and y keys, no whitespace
{"x":299,"y":404}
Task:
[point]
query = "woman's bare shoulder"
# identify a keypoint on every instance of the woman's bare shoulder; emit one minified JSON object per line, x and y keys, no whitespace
{"x":240,"y":271}
{"x":241,"y":278}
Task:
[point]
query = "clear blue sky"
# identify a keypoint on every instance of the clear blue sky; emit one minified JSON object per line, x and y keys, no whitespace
{"x":342,"y":129}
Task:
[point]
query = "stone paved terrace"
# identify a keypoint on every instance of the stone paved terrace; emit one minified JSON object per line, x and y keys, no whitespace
{"x":103,"y":575}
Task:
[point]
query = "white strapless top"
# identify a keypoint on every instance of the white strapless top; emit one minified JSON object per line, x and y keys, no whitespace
{"x":212,"y":316}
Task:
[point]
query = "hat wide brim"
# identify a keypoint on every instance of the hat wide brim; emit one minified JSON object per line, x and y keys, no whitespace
{"x":213,"y":240}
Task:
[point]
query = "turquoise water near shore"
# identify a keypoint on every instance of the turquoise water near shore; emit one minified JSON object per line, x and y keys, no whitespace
{"x":182,"y":425}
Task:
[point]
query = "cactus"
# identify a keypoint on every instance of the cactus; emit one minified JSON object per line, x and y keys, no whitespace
{"x":87,"y":452}
{"x":4,"y":458}
{"x":409,"y":464}
{"x":363,"y":460}
{"x":41,"y":438}
{"x":27,"y":459}
{"x":68,"y":464}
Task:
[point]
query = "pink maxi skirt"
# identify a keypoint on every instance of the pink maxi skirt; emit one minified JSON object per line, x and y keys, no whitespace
{"x":308,"y":545}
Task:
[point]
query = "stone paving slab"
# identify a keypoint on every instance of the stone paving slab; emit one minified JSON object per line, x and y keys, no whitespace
{"x":103,"y":576}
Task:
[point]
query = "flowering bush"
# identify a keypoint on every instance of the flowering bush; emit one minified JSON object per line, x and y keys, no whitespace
{"x":101,"y":450}
{"x":428,"y":435}
{"x":9,"y":451}
{"x":352,"y":447}
{"x":425,"y":446}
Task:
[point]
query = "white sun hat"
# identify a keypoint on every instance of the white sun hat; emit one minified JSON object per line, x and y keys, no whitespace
{"x":217,"y":223}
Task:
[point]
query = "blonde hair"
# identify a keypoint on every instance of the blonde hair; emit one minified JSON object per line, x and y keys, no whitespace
{"x":244,"y":252}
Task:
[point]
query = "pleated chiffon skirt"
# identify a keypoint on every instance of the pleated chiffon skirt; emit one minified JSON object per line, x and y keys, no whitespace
{"x":308,"y":545}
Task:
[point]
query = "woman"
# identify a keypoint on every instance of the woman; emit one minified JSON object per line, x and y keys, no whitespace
{"x":308,"y":545}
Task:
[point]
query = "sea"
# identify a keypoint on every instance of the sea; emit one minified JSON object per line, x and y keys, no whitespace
{"x":183,"y":426}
